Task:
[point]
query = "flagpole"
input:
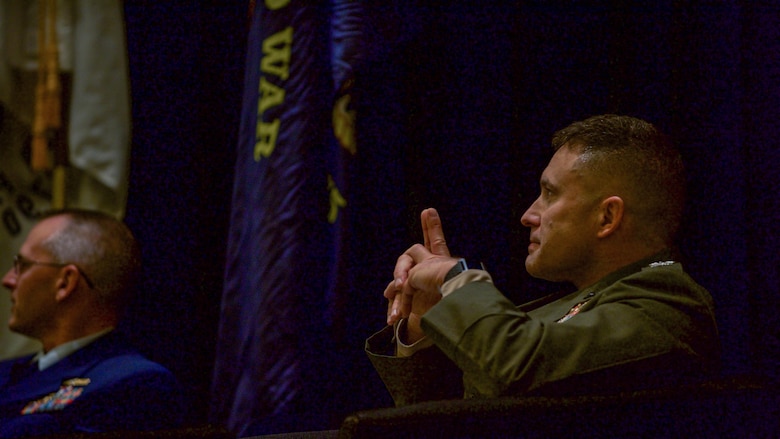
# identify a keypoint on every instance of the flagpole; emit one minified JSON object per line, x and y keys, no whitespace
{"x":47,"y":121}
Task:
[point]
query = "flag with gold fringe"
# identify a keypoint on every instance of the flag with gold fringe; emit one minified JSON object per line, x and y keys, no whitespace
{"x":271,"y":372}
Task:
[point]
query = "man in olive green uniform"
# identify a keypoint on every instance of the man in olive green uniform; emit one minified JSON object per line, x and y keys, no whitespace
{"x":610,"y":204}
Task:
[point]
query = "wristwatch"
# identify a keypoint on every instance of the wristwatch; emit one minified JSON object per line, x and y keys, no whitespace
{"x":462,"y":266}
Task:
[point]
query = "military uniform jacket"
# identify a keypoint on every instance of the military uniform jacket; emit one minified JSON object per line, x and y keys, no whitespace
{"x":646,"y":325}
{"x":105,"y":386}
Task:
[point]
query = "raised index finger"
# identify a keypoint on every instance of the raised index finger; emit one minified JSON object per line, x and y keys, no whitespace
{"x":433,"y":233}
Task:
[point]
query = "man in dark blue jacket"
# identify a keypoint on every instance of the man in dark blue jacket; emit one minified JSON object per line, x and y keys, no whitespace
{"x":69,"y":284}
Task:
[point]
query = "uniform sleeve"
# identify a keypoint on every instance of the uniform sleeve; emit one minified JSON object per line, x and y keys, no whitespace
{"x":418,"y":372}
{"x":651,"y":321}
{"x":426,"y":375}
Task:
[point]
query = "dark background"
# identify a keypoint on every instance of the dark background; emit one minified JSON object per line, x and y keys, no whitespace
{"x":456,"y":106}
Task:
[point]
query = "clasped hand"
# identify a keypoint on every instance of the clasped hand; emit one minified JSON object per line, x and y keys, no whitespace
{"x":418,"y":275}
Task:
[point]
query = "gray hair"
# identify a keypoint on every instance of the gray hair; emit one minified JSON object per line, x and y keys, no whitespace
{"x":103,"y":247}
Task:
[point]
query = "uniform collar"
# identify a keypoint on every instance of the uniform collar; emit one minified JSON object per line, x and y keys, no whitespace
{"x":663,"y":257}
{"x":48,"y":359}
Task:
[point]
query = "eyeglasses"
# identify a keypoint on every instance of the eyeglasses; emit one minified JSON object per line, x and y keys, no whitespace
{"x":20,"y":262}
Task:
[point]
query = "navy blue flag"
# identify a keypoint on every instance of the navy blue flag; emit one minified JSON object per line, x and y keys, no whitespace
{"x":271,"y":370}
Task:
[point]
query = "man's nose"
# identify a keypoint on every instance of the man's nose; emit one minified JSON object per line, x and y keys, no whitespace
{"x":9,"y":280}
{"x":531,"y":216}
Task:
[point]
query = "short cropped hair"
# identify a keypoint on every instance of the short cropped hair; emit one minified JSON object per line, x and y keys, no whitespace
{"x":103,"y":247}
{"x":642,"y":158}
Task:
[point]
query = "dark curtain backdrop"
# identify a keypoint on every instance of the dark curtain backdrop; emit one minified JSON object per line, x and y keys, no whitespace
{"x":456,"y":106}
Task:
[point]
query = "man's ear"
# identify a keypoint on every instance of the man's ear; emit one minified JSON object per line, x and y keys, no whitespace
{"x":67,"y":282}
{"x":611,"y":212}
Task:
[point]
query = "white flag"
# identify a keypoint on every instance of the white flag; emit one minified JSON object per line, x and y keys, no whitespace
{"x":92,"y":51}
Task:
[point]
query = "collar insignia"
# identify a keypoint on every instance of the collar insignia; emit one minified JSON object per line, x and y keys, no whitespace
{"x":68,"y":392}
{"x":77,"y":382}
{"x":576,"y":308}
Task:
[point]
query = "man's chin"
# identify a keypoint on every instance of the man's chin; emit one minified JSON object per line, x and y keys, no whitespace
{"x":530,"y":265}
{"x":534,"y":268}
{"x":13,"y":326}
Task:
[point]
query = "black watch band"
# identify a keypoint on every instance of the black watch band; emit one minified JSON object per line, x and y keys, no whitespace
{"x":460,"y":267}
